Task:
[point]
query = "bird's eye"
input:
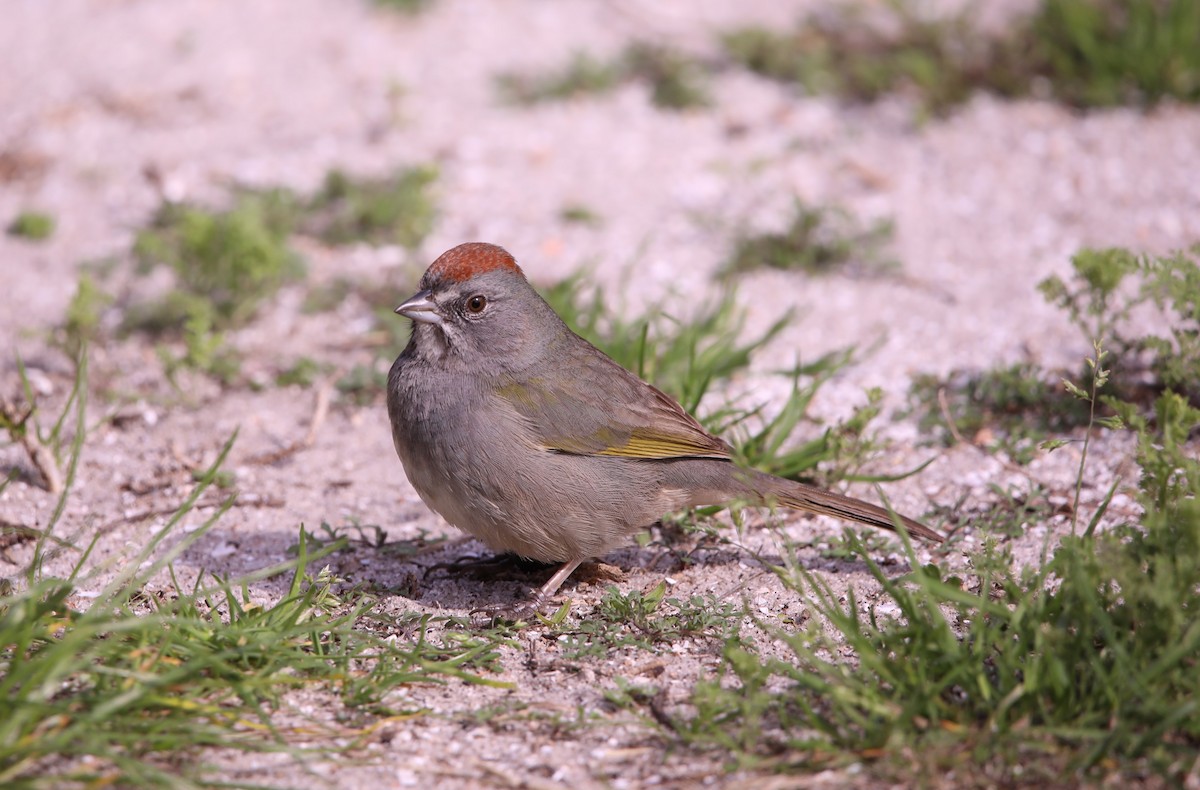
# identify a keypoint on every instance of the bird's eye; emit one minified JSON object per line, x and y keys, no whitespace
{"x":476,"y":303}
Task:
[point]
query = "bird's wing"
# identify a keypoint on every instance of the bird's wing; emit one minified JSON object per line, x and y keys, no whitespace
{"x":593,"y":406}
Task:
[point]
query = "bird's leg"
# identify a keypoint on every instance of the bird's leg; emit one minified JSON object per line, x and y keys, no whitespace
{"x":554,"y":582}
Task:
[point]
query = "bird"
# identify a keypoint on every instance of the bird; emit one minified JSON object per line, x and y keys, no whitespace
{"x":521,"y":433}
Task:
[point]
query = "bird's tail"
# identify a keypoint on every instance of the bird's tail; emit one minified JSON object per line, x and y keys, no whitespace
{"x":800,"y":496}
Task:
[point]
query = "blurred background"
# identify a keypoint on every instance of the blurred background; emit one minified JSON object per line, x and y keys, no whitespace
{"x":930,"y":155}
{"x":228,"y":195}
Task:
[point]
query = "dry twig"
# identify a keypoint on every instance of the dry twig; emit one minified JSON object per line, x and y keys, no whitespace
{"x":320,"y":412}
{"x":39,"y":454}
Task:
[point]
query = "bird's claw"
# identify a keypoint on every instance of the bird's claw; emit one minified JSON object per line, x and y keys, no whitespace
{"x":510,"y":613}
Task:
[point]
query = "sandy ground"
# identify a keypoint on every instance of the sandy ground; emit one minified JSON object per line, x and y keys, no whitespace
{"x":98,"y":93}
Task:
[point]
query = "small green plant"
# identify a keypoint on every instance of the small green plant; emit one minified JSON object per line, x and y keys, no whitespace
{"x":231,"y":260}
{"x":676,"y":81}
{"x":363,"y":384}
{"x":682,"y":357}
{"x":204,"y":350}
{"x":1088,"y":660}
{"x":687,"y":358}
{"x":1170,"y":481}
{"x":397,"y":209}
{"x":766,"y":444}
{"x":32,"y":226}
{"x":225,"y":264}
{"x":45,"y":446}
{"x":818,"y":239}
{"x":301,"y":373}
{"x":838,"y":453}
{"x":1091,"y":396}
{"x":939,"y":60}
{"x":326,"y":296}
{"x":1098,"y":53}
{"x":579,"y":214}
{"x":1173,"y":285}
{"x":81,"y":326}
{"x":1010,"y":408}
{"x":643,"y":620}
{"x":1100,"y":301}
{"x":409,"y":7}
{"x":1093,"y":300}
{"x":1015,"y":408}
{"x":1007,"y":513}
{"x":1087,"y":53}
{"x":106,"y":694}
{"x":583,"y":75}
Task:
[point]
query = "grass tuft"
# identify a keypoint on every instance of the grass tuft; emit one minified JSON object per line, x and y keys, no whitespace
{"x":407,"y":7}
{"x":1083,"y":664}
{"x":584,"y":75}
{"x":396,"y":210}
{"x":301,"y":373}
{"x":1015,"y":408}
{"x":127,"y":689}
{"x":45,"y":445}
{"x":1100,"y":53}
{"x":1086,"y":53}
{"x":32,"y":226}
{"x":1094,"y":653}
{"x":681,"y":357}
{"x":676,"y":81}
{"x":686,"y":358}
{"x":640,"y":621}
{"x":81,"y":326}
{"x":1009,"y":408}
{"x":1107,"y":286}
{"x":579,"y":214}
{"x":225,"y":263}
{"x":818,"y":239}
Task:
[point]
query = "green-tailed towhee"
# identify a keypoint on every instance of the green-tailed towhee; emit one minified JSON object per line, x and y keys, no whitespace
{"x":522,"y":433}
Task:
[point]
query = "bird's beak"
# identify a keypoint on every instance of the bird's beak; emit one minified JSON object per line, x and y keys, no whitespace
{"x":420,"y":307}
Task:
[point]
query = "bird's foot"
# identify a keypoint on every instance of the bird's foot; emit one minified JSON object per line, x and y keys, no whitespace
{"x":510,"y":613}
{"x":597,"y":573}
{"x":527,"y":611}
